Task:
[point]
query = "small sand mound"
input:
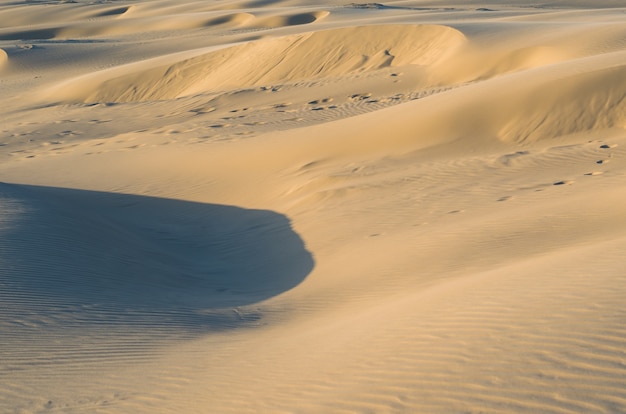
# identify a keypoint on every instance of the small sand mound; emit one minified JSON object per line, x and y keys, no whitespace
{"x":234,"y":19}
{"x":114,"y":12}
{"x":44,"y":33}
{"x":291,"y":20}
{"x":284,"y":59}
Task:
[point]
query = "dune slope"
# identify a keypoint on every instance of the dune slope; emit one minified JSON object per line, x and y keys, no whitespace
{"x":284,"y":207}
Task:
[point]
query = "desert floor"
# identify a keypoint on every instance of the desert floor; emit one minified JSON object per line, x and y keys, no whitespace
{"x":287,"y":206}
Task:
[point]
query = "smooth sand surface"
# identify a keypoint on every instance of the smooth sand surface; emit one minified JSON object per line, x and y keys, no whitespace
{"x":284,"y":206}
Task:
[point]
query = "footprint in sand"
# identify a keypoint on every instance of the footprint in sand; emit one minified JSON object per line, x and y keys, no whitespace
{"x":507,"y":158}
{"x":270,"y":88}
{"x":205,"y":110}
{"x":594,"y":173}
{"x":360,"y":96}
{"x":563,"y":182}
{"x":69,"y":133}
{"x":320,"y":101}
{"x":608,"y":146}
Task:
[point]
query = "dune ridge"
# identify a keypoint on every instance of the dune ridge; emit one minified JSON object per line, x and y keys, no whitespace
{"x":282,"y":60}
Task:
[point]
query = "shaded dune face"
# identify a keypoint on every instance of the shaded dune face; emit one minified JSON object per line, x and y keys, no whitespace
{"x":62,"y":248}
{"x":284,"y":59}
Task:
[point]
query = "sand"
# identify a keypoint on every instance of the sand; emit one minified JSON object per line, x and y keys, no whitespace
{"x":284,"y":206}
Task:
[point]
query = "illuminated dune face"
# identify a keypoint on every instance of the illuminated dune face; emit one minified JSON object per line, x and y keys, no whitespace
{"x":307,"y":56}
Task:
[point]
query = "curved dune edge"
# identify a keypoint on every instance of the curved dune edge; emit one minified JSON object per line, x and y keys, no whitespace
{"x":229,"y":256}
{"x":284,"y":59}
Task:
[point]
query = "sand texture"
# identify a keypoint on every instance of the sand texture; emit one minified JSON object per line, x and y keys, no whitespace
{"x":287,"y":206}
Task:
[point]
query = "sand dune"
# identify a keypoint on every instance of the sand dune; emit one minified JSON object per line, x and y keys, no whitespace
{"x":283,"y":59}
{"x":275,"y":206}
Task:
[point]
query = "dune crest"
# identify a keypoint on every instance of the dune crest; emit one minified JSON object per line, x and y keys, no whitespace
{"x":286,"y":59}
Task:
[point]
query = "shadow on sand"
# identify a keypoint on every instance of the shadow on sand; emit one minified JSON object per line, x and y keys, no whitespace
{"x":135,"y":260}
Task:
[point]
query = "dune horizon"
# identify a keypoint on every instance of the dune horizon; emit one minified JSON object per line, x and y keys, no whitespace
{"x":286,"y":206}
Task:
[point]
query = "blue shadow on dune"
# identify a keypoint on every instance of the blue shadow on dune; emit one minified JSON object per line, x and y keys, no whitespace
{"x":136,"y":260}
